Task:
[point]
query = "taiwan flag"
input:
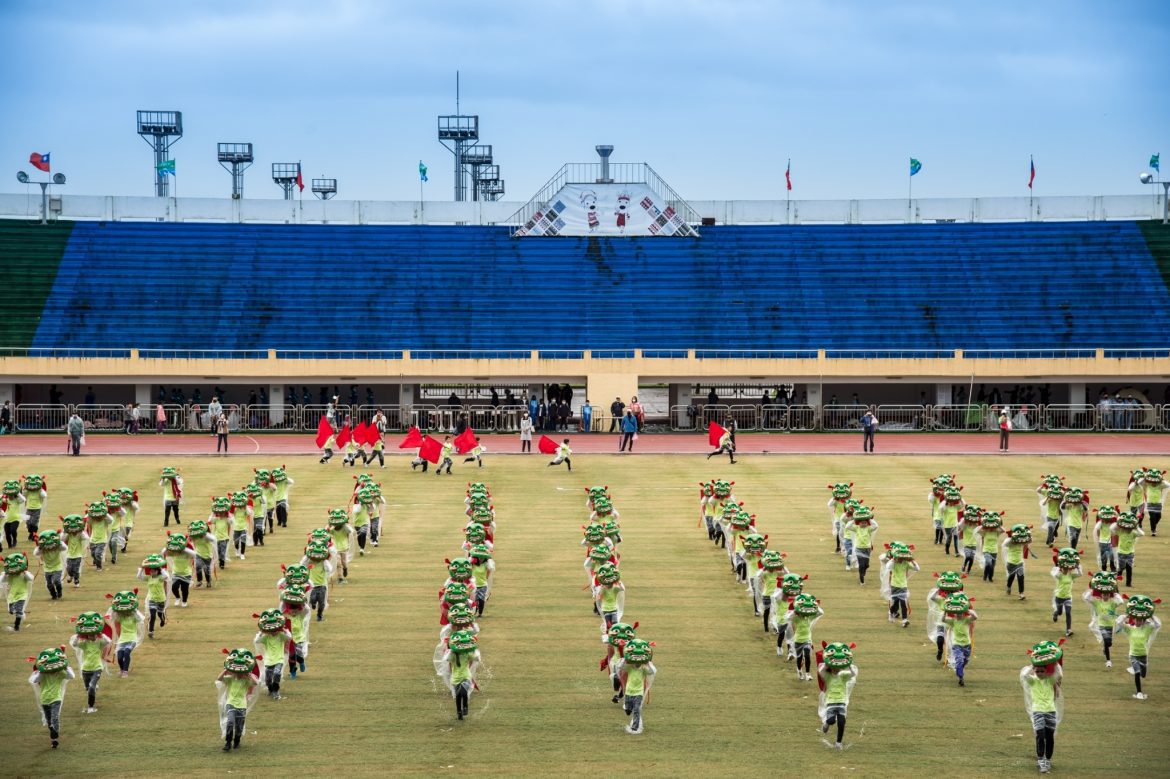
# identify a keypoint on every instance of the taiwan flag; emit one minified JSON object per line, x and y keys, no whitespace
{"x":300,"y":178}
{"x":39,"y":161}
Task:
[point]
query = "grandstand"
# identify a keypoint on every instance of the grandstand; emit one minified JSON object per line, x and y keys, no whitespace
{"x":404,"y":306}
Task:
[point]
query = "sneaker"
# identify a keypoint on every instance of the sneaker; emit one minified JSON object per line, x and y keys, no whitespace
{"x":891,"y":617}
{"x":1108,"y":663}
{"x":150,"y":634}
{"x":375,"y":543}
{"x":55,"y":743}
{"x":906,"y":624}
{"x":1042,"y":764}
{"x":124,"y":674}
{"x":227,"y":747}
{"x":1068,"y":632}
{"x":91,"y":710}
{"x":1055,"y":616}
{"x":361,"y":552}
{"x":779,"y":652}
{"x":1022,"y":596}
{"x":825,"y":728}
{"x":962,"y":683}
{"x":177,"y":601}
{"x":242,"y":557}
{"x":838,"y":746}
{"x":1141,"y":696}
{"x":1130,"y":671}
{"x":183,"y":605}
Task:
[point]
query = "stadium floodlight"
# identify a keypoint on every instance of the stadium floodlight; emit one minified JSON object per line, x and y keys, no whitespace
{"x":476,"y":159}
{"x":235,"y":158}
{"x":58,"y":179}
{"x":160,"y":130}
{"x":1147,"y":178}
{"x":286,"y":175}
{"x":325,"y":188}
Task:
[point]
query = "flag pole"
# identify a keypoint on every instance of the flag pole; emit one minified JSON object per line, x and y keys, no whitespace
{"x":1031,"y":192}
{"x":788,"y":193}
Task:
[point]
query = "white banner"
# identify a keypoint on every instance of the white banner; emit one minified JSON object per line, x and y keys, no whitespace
{"x":606,"y":209}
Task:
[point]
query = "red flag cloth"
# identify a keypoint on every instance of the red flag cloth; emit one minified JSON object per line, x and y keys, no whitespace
{"x":39,"y":161}
{"x":323,"y":431}
{"x":361,"y":434}
{"x":714,"y":432}
{"x":788,"y":176}
{"x":372,"y":435}
{"x":547,"y":445}
{"x":465,"y":441}
{"x":429,"y":449}
{"x":413,"y":439}
{"x":344,"y":435}
{"x":300,"y":179}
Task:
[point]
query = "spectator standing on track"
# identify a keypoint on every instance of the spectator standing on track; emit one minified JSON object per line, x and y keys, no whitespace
{"x":379,"y":423}
{"x":587,"y":417}
{"x":135,"y":418}
{"x":564,"y":412}
{"x":221,"y":432}
{"x":629,"y":430}
{"x":639,"y":412}
{"x":526,"y":433}
{"x":214,"y":411}
{"x":1005,"y":427}
{"x":76,"y":429}
{"x":541,"y":415}
{"x":160,"y":419}
{"x":6,"y":418}
{"x":869,"y":425}
{"x":615,"y":413}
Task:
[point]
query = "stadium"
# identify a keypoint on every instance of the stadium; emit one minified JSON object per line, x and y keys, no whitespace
{"x":682,"y":394}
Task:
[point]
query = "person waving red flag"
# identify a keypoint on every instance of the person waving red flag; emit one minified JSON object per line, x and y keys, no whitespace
{"x":547,"y":446}
{"x":429,"y":449}
{"x":465,"y":441}
{"x":323,"y":431}
{"x":413,"y":439}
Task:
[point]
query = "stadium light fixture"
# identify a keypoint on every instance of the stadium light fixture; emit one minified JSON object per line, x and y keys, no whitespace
{"x":235,"y":158}
{"x":1148,"y":178}
{"x":160,"y":130}
{"x":285,"y":174}
{"x":58,"y":179}
{"x":325,"y":188}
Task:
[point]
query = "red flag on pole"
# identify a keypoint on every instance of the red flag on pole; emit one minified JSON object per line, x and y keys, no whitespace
{"x":372,"y":435}
{"x":344,"y":436}
{"x":413,"y":439}
{"x":323,"y":431}
{"x":547,"y":445}
{"x":300,"y":179}
{"x":429,"y":449}
{"x":39,"y":161}
{"x":361,"y":433}
{"x":715,"y":431}
{"x":465,"y":441}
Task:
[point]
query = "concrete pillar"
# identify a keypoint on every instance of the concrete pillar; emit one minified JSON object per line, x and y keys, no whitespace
{"x":276,"y":404}
{"x":143,"y":393}
{"x":7,"y":391}
{"x":1076,"y":393}
{"x":814,"y":395}
{"x":942,"y":395}
{"x":407,"y":393}
{"x":602,"y":388}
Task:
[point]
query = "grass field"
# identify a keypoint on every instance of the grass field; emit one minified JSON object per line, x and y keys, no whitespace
{"x":723,"y":703}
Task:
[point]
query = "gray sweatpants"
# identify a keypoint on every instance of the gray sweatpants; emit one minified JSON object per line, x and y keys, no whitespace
{"x":52,"y":715}
{"x":634,"y":709}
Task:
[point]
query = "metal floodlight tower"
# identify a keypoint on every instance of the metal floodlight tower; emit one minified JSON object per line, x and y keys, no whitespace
{"x":458,"y":134}
{"x":488,"y":182}
{"x":285,"y":174}
{"x":324,"y":188}
{"x":475,"y":159}
{"x":235,"y":158}
{"x":603,"y":151}
{"x":48,"y":205}
{"x":160,"y":129}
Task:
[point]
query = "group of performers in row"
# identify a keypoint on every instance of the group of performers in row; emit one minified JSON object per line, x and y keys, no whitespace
{"x":463,"y":599}
{"x":107,"y":526}
{"x":628,"y":659}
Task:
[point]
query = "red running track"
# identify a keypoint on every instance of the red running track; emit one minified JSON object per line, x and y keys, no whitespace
{"x":749,"y":443}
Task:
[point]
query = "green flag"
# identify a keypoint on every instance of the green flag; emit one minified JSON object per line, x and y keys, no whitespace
{"x":915,"y":166}
{"x":422,"y":171}
{"x":165,"y":167}
{"x":1155,"y":162}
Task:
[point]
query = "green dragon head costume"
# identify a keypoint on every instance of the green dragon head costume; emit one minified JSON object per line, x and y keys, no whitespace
{"x":621,"y":633}
{"x":837,"y":656}
{"x":1020,"y":534}
{"x":805,"y":605}
{"x":176,"y":542}
{"x":1103,"y":583}
{"x":221,"y":506}
{"x":949,"y":581}
{"x":89,"y":624}
{"x":1140,"y":607}
{"x":296,"y":574}
{"x":239,"y":661}
{"x":792,"y":585}
{"x":608,"y":574}
{"x":15,"y":564}
{"x":639,"y":651}
{"x":956,"y":604}
{"x":51,"y":660}
{"x":294,"y":595}
{"x":270,"y":621}
{"x":462,"y":642}
{"x":461,"y":616}
{"x":1127,"y":521}
{"x":772,"y":560}
{"x":153,"y":564}
{"x":73,"y":524}
{"x":459,"y":569}
{"x":1045,"y":653}
{"x":1066,"y":559}
{"x":48,"y":539}
{"x":124,"y":602}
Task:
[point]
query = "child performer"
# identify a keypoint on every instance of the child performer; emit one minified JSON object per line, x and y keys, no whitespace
{"x":1041,"y":681}
{"x":1141,"y":626}
{"x":836,"y":676}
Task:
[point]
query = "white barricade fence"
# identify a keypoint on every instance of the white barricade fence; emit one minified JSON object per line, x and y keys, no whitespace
{"x":746,"y":417}
{"x":424,"y":416}
{"x":41,"y":417}
{"x":508,"y":419}
{"x":842,"y":418}
{"x":713,"y":412}
{"x":482,"y":417}
{"x":102,"y":417}
{"x":1165,"y":418}
{"x":266,"y":416}
{"x":803,"y":419}
{"x":311,"y":414}
{"x":774,"y":416}
{"x":600,"y":423}
{"x":176,"y":418}
{"x":961,"y":417}
{"x":1070,"y":416}
{"x":392,"y":414}
{"x":447,"y":416}
{"x":897,"y":418}
{"x":1025,"y":417}
{"x":685,"y":418}
{"x":1128,"y":417}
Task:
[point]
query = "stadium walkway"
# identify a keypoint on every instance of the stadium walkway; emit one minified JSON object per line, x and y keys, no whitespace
{"x":1144,"y":444}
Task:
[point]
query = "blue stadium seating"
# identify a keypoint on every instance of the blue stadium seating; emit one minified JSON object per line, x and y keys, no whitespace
{"x":178,"y":287}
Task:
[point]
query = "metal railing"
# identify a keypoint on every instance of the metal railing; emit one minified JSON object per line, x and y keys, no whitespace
{"x":30,"y":417}
{"x":902,"y":418}
{"x":1054,"y":417}
{"x":1137,"y":418}
{"x":311,"y":414}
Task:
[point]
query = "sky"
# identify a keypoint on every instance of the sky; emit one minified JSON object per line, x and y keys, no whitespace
{"x":715,"y":96}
